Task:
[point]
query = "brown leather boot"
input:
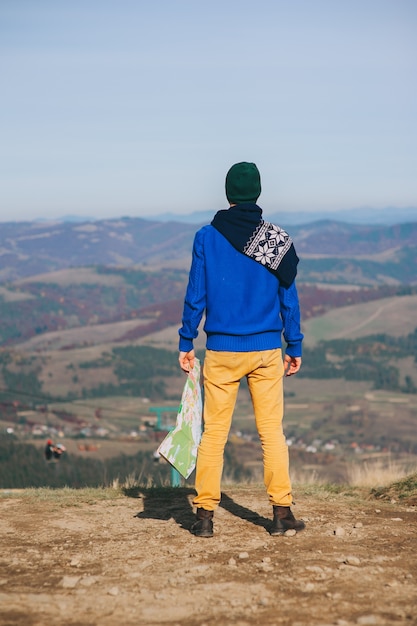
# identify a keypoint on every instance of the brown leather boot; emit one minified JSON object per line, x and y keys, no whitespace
{"x":284,"y":520}
{"x":203,"y":527}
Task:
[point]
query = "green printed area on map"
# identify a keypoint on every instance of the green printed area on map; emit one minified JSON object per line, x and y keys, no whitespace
{"x":180,"y":445}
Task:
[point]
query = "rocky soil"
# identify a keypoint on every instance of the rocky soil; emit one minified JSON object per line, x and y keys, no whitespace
{"x":132,"y":561}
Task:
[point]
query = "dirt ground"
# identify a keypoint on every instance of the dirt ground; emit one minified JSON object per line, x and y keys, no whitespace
{"x":132,"y":560}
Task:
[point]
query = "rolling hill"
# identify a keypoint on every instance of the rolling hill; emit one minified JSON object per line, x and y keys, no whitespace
{"x":392,"y":316}
{"x":89,"y":329}
{"x":331,"y":252}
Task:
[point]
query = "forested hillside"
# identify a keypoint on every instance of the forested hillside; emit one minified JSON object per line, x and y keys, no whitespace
{"x":102,"y":295}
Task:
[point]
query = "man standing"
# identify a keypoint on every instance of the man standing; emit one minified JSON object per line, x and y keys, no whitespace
{"x":242,"y":277}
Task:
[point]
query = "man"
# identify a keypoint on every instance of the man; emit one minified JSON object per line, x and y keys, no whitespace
{"x":242,"y":277}
{"x":53,"y":450}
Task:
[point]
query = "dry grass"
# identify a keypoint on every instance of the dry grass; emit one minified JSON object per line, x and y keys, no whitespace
{"x":404,"y":490}
{"x":74,"y":276}
{"x":65,"y":496}
{"x":378,"y":473}
{"x":394,"y":485}
{"x":394,"y":316}
{"x":306,"y":477}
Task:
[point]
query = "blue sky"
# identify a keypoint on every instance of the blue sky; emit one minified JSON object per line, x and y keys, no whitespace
{"x":139,"y":107}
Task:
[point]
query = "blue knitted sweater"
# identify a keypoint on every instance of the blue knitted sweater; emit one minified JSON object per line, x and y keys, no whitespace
{"x":246,"y":309}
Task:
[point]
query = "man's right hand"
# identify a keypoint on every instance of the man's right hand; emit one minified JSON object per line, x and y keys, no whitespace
{"x":186,"y":360}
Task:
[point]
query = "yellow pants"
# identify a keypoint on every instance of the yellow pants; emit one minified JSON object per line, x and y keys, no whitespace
{"x":223,"y":371}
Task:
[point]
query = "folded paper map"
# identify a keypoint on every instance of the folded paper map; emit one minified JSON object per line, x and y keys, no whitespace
{"x":180,"y":445}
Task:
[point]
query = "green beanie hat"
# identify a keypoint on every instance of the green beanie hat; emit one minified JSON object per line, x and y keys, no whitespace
{"x":243,"y":183}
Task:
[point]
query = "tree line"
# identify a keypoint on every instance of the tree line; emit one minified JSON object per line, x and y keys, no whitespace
{"x":23,"y":466}
{"x":366,"y":358}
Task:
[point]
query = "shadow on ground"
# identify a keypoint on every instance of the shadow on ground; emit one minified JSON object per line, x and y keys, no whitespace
{"x":166,"y":503}
{"x":243,"y":512}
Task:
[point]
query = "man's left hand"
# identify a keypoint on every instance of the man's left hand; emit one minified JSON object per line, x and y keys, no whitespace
{"x":291,"y":364}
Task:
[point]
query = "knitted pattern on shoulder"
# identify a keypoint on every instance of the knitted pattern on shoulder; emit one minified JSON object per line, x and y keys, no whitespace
{"x":264,"y":242}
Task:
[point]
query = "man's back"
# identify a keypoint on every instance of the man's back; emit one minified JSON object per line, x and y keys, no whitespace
{"x":242,"y":299}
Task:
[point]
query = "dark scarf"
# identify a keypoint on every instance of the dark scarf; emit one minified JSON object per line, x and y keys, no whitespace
{"x":265,"y":243}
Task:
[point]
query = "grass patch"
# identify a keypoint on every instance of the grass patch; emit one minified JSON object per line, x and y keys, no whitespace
{"x":323,"y":491}
{"x":404,"y":491}
{"x":65,"y":496}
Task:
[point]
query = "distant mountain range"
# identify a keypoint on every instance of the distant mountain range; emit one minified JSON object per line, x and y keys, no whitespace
{"x":335,"y":250}
{"x":387,"y":216}
{"x":365,"y":215}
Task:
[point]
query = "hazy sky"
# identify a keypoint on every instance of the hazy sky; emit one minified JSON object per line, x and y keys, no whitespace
{"x":115,"y":108}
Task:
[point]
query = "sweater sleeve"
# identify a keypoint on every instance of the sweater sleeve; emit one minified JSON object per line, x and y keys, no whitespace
{"x":290,"y":314}
{"x":195,"y":297}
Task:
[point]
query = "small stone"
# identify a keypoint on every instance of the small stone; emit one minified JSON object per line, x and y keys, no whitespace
{"x":266,"y":559}
{"x":352,"y":560}
{"x":309,"y":587}
{"x":377,"y":510}
{"x":114,"y":591}
{"x":243,"y":555}
{"x":69,"y":582}
{"x":159,"y":595}
{"x":75,"y":563}
{"x":231,"y":562}
{"x":87,"y":581}
{"x":367,"y":619}
{"x":339,"y":531}
{"x":396,"y":519}
{"x":358,"y":525}
{"x":316,"y":569}
{"x":290,"y":532}
{"x":265,"y":567}
{"x":3,"y":581}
